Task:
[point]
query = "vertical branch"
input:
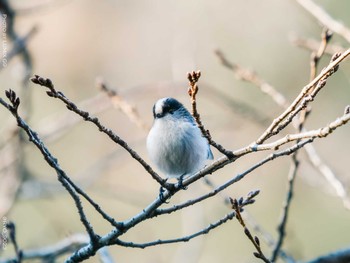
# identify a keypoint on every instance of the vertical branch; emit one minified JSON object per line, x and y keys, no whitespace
{"x":193,"y":78}
{"x":314,"y":61}
{"x":238,"y":208}
{"x":285,"y":210}
{"x":12,"y":234}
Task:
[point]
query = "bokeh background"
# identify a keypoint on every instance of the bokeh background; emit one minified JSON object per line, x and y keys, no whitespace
{"x":143,"y":50}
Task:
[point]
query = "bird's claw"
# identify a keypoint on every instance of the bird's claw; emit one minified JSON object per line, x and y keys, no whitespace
{"x":180,"y":185}
{"x":161,"y":195}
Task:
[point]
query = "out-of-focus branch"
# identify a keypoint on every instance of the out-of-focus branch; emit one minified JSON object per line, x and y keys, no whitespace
{"x":87,"y":117}
{"x":280,"y":100}
{"x":65,"y":246}
{"x":278,"y":122}
{"x":341,"y":256}
{"x":325,"y":19}
{"x":251,"y":77}
{"x":20,"y":43}
{"x":313,"y":45}
{"x":61,"y":175}
{"x":124,"y":106}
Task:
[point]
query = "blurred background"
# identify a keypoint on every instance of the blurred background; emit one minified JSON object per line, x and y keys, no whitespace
{"x":143,"y":50}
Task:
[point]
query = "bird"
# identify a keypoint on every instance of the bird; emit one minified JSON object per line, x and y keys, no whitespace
{"x":175,"y":144}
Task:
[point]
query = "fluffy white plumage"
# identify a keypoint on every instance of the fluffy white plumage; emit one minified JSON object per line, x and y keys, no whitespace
{"x":175,"y":144}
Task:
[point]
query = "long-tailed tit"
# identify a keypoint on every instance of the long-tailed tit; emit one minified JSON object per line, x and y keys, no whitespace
{"x":175,"y":144}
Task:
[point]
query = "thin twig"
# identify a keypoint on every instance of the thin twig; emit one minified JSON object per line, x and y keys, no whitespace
{"x":325,"y":18}
{"x":283,"y":221}
{"x":328,"y":71}
{"x":124,"y":106}
{"x":61,"y":175}
{"x":314,"y":61}
{"x":313,"y":45}
{"x":67,"y":245}
{"x":193,"y":78}
{"x":236,"y":206}
{"x":204,"y":231}
{"x":316,"y":56}
{"x":235,"y":179}
{"x":280,"y":100}
{"x":86,"y":116}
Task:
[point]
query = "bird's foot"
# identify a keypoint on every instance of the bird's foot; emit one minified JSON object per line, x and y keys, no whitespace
{"x":181,"y":179}
{"x":161,"y":194}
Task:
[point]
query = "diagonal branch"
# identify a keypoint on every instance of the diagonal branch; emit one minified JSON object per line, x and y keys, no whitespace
{"x":204,"y":231}
{"x":61,"y":175}
{"x":86,"y":116}
{"x":280,"y":100}
{"x":325,"y":18}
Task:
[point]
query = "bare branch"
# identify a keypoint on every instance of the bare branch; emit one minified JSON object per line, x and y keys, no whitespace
{"x":313,"y":45}
{"x":283,"y":221}
{"x":316,"y":56}
{"x":236,"y":206}
{"x":67,"y":245}
{"x":120,"y":103}
{"x":193,"y":78}
{"x":235,"y":179}
{"x":328,"y":71}
{"x":280,"y":100}
{"x":86,"y":116}
{"x":180,"y":239}
{"x":325,"y":19}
